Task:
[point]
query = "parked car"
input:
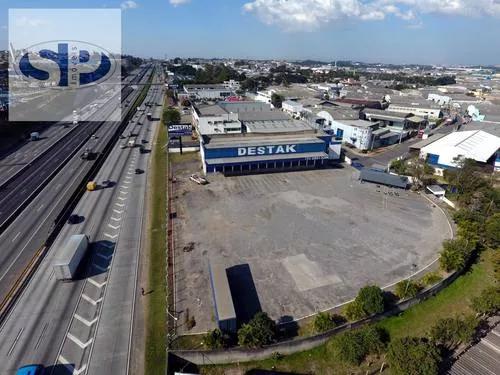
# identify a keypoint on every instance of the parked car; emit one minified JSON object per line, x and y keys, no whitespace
{"x":198,"y":179}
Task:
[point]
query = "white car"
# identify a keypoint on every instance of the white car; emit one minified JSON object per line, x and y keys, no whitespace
{"x":198,"y":179}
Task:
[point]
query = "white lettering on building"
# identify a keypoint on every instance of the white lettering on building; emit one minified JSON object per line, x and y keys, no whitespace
{"x":266,"y":150}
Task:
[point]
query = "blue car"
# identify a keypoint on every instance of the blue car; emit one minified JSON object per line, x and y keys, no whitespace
{"x":31,"y":370}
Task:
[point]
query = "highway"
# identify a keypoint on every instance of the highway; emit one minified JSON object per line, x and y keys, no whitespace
{"x":85,"y":326}
{"x":19,"y":183}
{"x":31,"y":227}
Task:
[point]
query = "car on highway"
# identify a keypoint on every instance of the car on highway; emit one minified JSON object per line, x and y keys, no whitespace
{"x":31,"y":370}
{"x":93,"y":136}
{"x":198,"y":179}
{"x":139,"y":171}
{"x":73,"y":219}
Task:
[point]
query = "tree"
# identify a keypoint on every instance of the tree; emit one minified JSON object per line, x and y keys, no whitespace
{"x":215,"y":339}
{"x":171,"y":116}
{"x":277,"y":100}
{"x":413,"y":356}
{"x":399,"y":166}
{"x":407,"y":289}
{"x":371,"y":299}
{"x":492,"y":231}
{"x":421,"y":171}
{"x":451,"y":332}
{"x":354,"y":346}
{"x":488,"y":302}
{"x":260,"y":331}
{"x":455,"y":253}
{"x":354,"y":311}
{"x":324,"y":322}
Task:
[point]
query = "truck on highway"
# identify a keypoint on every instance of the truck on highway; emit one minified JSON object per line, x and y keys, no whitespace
{"x":150,"y":116}
{"x":69,"y":256}
{"x":35,"y":136}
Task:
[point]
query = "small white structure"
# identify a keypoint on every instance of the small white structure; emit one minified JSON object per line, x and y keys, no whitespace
{"x":426,"y":112}
{"x":294,"y":109}
{"x":439,"y":99}
{"x":473,"y":144}
{"x":437,"y":191}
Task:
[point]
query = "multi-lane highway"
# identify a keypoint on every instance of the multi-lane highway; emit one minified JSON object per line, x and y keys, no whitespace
{"x":32,"y":226}
{"x":85,"y":326}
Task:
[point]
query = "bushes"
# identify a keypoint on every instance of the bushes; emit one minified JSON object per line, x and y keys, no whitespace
{"x":369,"y":301}
{"x":325,"y":321}
{"x":413,"y":356}
{"x":451,"y":332}
{"x":215,"y":339}
{"x":354,"y":346}
{"x":407,"y":289}
{"x":488,"y":303}
{"x":431,"y":279}
{"x":456,"y":253}
{"x":260,"y":331}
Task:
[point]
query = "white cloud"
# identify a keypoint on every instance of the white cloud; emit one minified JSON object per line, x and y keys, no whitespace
{"x":179,"y":2}
{"x":311,"y":14}
{"x":129,"y":4}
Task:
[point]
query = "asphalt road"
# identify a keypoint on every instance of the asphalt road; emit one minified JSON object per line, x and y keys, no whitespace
{"x":31,"y":228}
{"x":85,"y":326}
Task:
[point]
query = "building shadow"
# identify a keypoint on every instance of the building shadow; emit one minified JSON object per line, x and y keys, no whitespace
{"x":245,"y":298}
{"x":180,"y":365}
{"x":287,"y":327}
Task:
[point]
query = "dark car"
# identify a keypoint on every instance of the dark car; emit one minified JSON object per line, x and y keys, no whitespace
{"x":74,"y":219}
{"x":139,"y":171}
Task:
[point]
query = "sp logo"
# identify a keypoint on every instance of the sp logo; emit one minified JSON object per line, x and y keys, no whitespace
{"x":65,"y":64}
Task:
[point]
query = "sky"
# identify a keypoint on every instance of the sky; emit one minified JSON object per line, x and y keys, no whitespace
{"x":451,"y":32}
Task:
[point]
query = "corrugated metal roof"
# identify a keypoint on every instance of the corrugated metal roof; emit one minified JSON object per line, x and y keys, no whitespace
{"x":472,"y":144}
{"x":383,"y":178}
{"x":259,"y":141}
{"x":221,"y":292}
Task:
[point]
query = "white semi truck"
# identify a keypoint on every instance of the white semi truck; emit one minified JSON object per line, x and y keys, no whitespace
{"x":69,"y":257}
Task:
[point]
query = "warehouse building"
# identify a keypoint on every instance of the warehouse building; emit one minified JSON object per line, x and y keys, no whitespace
{"x":208,"y":92}
{"x":225,"y":314}
{"x":477,"y":145}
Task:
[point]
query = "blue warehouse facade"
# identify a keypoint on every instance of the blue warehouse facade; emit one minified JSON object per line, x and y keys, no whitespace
{"x":250,"y":154}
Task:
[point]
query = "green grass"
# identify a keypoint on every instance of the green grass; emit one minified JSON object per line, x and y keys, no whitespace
{"x":454,"y":300}
{"x":155,"y":356}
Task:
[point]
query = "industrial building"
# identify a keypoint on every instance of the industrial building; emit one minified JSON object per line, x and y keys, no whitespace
{"x":225,"y":314}
{"x":478,"y":145}
{"x":242,"y":137}
{"x":428,"y":111}
{"x":208,"y":92}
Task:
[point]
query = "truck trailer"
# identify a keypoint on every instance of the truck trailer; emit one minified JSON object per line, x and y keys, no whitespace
{"x":69,"y":256}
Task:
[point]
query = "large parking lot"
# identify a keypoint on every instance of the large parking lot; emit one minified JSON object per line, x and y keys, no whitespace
{"x":295,"y":243}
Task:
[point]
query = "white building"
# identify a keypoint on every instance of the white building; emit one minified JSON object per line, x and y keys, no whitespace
{"x":439,"y":99}
{"x":264,"y":96}
{"x":294,"y":109}
{"x":210,"y":92}
{"x":426,"y":112}
{"x":213,"y":119}
{"x":478,"y":145}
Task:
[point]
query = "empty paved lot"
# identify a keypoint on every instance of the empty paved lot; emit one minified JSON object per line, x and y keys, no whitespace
{"x":308,"y":240}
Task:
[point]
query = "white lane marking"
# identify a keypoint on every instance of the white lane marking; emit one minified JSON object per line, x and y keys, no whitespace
{"x":120,"y":204}
{"x":90,"y":300}
{"x":111,"y":236}
{"x":129,"y":173}
{"x":70,"y":367}
{"x":15,"y":341}
{"x":124,"y":192}
{"x":123,"y":187}
{"x":39,"y":341}
{"x":126,"y":182}
{"x":102,"y":269}
{"x":58,"y":186}
{"x":122,"y":199}
{"x":15,"y":237}
{"x":39,"y":208}
{"x":118,"y":212}
{"x":82,"y":345}
{"x":96,"y":284}
{"x":113,"y":227}
{"x":85,"y":321}
{"x":116,"y":219}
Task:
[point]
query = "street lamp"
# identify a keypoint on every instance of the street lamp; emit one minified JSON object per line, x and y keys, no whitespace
{"x":173,"y":317}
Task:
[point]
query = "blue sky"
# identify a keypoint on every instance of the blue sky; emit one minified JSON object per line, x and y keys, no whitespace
{"x":398,"y":31}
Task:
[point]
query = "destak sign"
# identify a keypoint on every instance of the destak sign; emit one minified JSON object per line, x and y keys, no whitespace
{"x":180,"y":130}
{"x":266,"y":150}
